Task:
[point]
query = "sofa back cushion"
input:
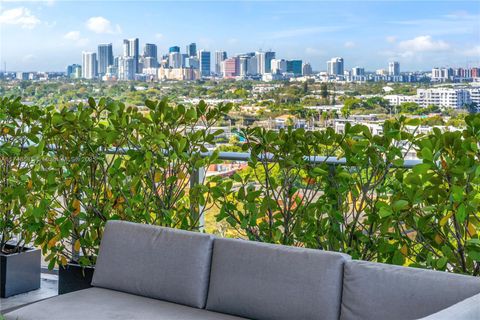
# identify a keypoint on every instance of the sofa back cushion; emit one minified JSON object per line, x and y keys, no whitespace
{"x":379,"y":291}
{"x":155,"y":262}
{"x":264,"y":281}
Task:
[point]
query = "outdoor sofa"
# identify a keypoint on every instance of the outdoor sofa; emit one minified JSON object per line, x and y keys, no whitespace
{"x":147,"y":272}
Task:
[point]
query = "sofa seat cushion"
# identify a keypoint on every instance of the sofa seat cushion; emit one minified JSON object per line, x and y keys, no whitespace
{"x":377,"y":291}
{"x":155,"y":262}
{"x":273,"y":282}
{"x":105,"y":304}
{"x":468,"y":309}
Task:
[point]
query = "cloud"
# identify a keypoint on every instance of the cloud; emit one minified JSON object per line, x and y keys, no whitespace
{"x":28,"y":58}
{"x":102,"y":25}
{"x":473,"y":52}
{"x":159,"y":36}
{"x":19,"y":16}
{"x":422,"y":44}
{"x":76,"y":37}
{"x":291,"y":33}
{"x":349,"y":44}
{"x":391,"y":39}
{"x":314,"y":51}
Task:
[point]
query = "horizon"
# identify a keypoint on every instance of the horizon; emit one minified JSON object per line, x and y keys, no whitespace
{"x":366,"y":34}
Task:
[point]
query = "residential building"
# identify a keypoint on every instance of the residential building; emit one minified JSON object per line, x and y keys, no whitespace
{"x":89,"y":65}
{"x":357,"y":71}
{"x":72,"y":71}
{"x":442,"y":97}
{"x":191,"y":62}
{"x":307,"y":69}
{"x":220,"y":56}
{"x":150,"y":56}
{"x":335,"y":66}
{"x":131,"y":49}
{"x":174,"y":60}
{"x":230,"y":67}
{"x":126,"y":68}
{"x":393,"y":68}
{"x":278,"y":66}
{"x":105,"y":58}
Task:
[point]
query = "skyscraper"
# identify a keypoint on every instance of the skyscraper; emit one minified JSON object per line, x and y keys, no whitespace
{"x":278,"y":65}
{"x":307,"y":69}
{"x":335,"y":66}
{"x":393,"y":68}
{"x":264,"y":61}
{"x":219,"y":57}
{"x":105,"y":57}
{"x":174,"y":49}
{"x":89,"y":65}
{"x":150,"y":57}
{"x":192,"y":50}
{"x":174,"y":60}
{"x":204,"y":63}
{"x":131,"y":49}
{"x":295,"y":67}
{"x":230,"y":67}
{"x":126,"y":68}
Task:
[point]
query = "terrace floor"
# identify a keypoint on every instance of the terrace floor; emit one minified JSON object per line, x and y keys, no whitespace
{"x":48,"y":288}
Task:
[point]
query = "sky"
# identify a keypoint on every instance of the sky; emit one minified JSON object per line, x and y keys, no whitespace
{"x":47,"y":35}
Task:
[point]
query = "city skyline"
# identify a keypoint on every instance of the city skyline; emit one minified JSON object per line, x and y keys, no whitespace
{"x":53,"y":39}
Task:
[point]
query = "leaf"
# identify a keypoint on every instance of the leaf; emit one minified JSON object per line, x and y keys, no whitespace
{"x":400,"y":205}
{"x":444,"y":220}
{"x":77,"y":245}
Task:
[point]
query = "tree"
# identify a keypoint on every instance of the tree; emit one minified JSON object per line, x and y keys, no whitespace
{"x":324,"y":91}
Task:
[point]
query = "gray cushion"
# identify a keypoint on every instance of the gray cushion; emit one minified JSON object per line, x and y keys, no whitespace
{"x":105,"y":304}
{"x":155,"y":262}
{"x":468,"y":309}
{"x":379,"y":291}
{"x":263,"y":281}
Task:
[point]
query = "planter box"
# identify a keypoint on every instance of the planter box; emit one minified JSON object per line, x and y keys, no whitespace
{"x":19,"y":272}
{"x":74,"y":277}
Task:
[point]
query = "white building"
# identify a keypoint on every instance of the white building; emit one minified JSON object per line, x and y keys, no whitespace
{"x":442,"y":97}
{"x":393,"y":68}
{"x":89,"y":65}
{"x":335,"y":66}
{"x":279,"y":65}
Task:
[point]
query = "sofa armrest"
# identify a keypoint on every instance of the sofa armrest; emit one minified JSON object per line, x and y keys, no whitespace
{"x":468,"y":309}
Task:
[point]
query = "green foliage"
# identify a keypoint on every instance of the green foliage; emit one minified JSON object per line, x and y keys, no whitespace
{"x":20,"y":183}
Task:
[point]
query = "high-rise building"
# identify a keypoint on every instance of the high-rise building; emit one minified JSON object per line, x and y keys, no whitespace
{"x":295,"y":67}
{"x":393,"y":68}
{"x":131,"y":49}
{"x":307,"y":69}
{"x":89,"y":65}
{"x":126,"y":68}
{"x":204,"y":63}
{"x":357,"y":71}
{"x":74,"y":71}
{"x":174,"y":60}
{"x":335,"y":66}
{"x":174,"y":49}
{"x":278,"y":66}
{"x":150,"y":51}
{"x":264,"y":60}
{"x":220,"y":56}
{"x":230,"y":67}
{"x":191,"y":62}
{"x":192,"y":50}
{"x":252,"y":65}
{"x":105,"y":58}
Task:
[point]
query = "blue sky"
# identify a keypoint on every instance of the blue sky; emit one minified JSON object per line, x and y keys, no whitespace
{"x":48,"y":35}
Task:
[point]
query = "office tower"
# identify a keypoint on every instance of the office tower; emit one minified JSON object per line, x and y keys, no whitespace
{"x":243,"y":65}
{"x":357,"y":71}
{"x":174,"y":60}
{"x":335,"y":66}
{"x":174,"y":49}
{"x":295,"y":67}
{"x":269,"y":56}
{"x":192,"y":50}
{"x":150,"y":62}
{"x":204,"y":63}
{"x":278,"y":66}
{"x":89,"y":65}
{"x":393,"y":68}
{"x":105,"y":57}
{"x":191,"y":62}
{"x":126,"y":68}
{"x":150,"y":51}
{"x":252,"y":66}
{"x":307,"y":69}
{"x":220,"y":56}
